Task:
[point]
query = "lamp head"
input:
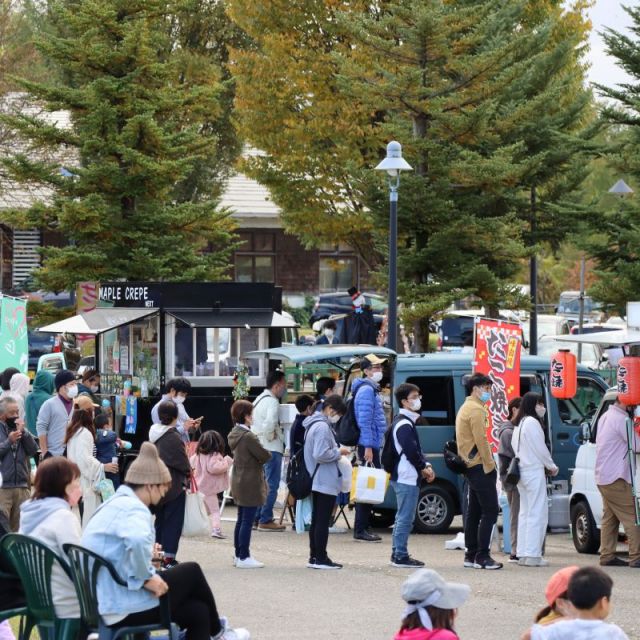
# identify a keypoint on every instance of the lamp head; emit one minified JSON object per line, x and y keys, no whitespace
{"x":394,"y":163}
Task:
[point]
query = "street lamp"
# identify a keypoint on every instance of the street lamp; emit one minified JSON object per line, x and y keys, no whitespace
{"x":393,"y":164}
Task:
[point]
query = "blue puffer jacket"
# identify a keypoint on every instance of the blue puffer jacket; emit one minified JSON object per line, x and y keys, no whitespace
{"x":369,"y":413}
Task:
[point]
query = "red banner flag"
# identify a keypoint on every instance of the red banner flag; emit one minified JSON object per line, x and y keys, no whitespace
{"x":497,"y":354}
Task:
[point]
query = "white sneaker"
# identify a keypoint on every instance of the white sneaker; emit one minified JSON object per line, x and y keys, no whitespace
{"x":456,"y":543}
{"x":228,"y":633}
{"x":249,"y":563}
{"x":536,"y":562}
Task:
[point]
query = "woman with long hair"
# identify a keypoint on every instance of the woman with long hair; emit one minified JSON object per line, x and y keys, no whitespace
{"x":80,"y":441}
{"x":530,"y":448}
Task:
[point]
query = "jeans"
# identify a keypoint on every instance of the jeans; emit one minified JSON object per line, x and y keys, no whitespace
{"x":320,"y":522}
{"x":534,"y":512}
{"x":192,"y":604}
{"x":169,"y":521}
{"x":242,"y":532}
{"x":363,"y":511}
{"x":272,"y":473}
{"x":407,"y":499}
{"x":482,"y":511}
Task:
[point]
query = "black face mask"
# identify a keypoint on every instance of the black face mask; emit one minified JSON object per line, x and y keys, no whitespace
{"x":11,"y":423}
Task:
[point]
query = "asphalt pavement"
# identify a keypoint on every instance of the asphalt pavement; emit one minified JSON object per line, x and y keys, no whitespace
{"x":362,"y":601}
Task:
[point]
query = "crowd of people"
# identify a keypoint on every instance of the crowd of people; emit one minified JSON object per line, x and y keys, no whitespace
{"x":77,"y":496}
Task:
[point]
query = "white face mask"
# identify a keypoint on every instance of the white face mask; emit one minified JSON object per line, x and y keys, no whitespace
{"x":94,"y":388}
{"x":178,"y":399}
{"x":72,"y":392}
{"x":415,"y":405}
{"x":328,"y":333}
{"x":334,"y":419}
{"x":377,"y":376}
{"x":541,"y":411}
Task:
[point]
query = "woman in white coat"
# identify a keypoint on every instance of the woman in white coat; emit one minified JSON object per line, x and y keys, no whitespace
{"x":529,"y":445}
{"x":80,"y":442}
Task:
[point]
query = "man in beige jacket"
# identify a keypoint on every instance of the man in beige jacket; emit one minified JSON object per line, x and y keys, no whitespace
{"x":482,"y":495}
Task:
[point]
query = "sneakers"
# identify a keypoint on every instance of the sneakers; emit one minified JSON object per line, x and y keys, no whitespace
{"x":487,"y":563}
{"x":614,"y":562}
{"x":469,"y":562}
{"x":513,"y":558}
{"x":365,"y":536}
{"x":535,"y":562}
{"x":249,"y":563}
{"x":406,"y":563}
{"x":169,"y":563}
{"x":635,"y":564}
{"x":217,"y":533}
{"x":326,"y":565}
{"x":271,"y":526}
{"x":227,"y":633}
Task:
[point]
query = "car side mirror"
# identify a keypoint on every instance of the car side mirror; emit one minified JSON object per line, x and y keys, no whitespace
{"x":585,"y":435}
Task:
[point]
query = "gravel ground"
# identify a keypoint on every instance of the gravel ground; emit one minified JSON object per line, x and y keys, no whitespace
{"x":362,"y":601}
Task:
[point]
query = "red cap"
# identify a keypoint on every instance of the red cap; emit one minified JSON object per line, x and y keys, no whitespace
{"x":558,"y":584}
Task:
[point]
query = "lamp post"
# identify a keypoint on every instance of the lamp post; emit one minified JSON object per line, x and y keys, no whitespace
{"x":393,"y":164}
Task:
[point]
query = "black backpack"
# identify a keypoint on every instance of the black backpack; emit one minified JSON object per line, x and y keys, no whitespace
{"x":347,"y":430}
{"x":451,"y":458}
{"x":299,"y":481}
{"x":390,"y":456}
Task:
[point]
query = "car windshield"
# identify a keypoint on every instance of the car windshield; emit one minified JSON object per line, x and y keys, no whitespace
{"x":37,"y":339}
{"x":571,"y":304}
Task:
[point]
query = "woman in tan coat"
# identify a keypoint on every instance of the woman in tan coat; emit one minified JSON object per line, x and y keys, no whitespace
{"x":248,"y":486}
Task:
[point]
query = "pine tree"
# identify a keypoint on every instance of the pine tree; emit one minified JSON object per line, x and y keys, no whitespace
{"x":139,"y":202}
{"x":487,"y":98}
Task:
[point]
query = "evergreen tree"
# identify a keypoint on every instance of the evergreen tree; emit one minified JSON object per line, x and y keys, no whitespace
{"x":487,"y":97}
{"x":138,"y":199}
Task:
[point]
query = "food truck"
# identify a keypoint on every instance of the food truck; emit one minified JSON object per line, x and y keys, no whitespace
{"x":149,"y":332}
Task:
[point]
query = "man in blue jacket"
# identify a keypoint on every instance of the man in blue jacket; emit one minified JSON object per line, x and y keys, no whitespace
{"x":372,"y":423}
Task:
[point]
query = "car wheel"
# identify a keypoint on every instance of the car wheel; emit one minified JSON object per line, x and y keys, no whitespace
{"x":382,"y":518}
{"x":435,"y":510}
{"x":586,"y":536}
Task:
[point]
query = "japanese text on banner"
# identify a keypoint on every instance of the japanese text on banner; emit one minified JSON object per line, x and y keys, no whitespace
{"x":497,"y":355}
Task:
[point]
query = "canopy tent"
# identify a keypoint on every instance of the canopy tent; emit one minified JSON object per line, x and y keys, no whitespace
{"x":313,"y":353}
{"x":232,"y":318}
{"x":98,"y":320}
{"x":620,"y":338}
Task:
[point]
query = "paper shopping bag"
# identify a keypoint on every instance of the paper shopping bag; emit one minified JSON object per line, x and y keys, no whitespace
{"x":368,"y":485}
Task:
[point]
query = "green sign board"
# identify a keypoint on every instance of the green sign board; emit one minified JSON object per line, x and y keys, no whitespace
{"x":14,"y":341}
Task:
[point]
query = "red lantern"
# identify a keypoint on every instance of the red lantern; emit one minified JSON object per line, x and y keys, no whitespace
{"x":564,"y":375}
{"x":629,"y":380}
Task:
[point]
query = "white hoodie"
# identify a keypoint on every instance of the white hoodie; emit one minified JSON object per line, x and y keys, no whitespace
{"x":157,"y":431}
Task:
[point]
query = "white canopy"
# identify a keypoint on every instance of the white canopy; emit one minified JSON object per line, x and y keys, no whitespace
{"x":613,"y":338}
{"x":98,"y":320}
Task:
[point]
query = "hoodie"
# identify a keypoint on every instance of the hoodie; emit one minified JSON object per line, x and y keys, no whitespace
{"x":51,"y":521}
{"x":321,"y":455}
{"x":505,"y":450}
{"x":369,"y":412}
{"x":19,"y":389}
{"x":43,"y":389}
{"x":172,"y":452}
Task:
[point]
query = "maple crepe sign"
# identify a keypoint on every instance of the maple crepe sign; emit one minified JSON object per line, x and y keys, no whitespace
{"x":497,"y":354}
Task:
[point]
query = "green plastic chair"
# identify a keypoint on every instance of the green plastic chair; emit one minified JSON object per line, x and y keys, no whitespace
{"x":85,"y":566}
{"x":33,"y":562}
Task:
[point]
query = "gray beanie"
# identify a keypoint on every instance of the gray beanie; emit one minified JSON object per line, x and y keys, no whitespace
{"x":147,"y":468}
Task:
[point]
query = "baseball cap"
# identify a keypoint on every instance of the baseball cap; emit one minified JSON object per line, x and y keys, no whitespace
{"x":427,"y":583}
{"x":84,"y":402}
{"x":370,"y":360}
{"x":558,"y":584}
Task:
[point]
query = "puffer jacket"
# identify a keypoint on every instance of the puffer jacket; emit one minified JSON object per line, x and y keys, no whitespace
{"x":369,"y":411}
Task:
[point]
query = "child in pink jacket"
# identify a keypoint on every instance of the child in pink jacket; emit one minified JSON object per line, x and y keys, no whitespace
{"x":212,"y":475}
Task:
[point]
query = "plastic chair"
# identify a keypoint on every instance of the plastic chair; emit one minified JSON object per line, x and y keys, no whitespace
{"x":33,"y":562}
{"x":85,"y":566}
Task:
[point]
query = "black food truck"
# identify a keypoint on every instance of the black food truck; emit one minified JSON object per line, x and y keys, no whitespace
{"x":149,"y":332}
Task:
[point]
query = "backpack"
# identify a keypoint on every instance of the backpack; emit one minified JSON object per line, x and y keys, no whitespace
{"x":299,"y":481}
{"x":348,"y":431}
{"x":389,"y":456}
{"x":451,"y":458}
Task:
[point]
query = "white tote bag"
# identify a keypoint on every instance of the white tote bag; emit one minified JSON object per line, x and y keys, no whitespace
{"x":369,"y":485}
{"x":196,"y":521}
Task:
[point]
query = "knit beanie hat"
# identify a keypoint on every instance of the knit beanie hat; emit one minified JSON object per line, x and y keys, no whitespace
{"x":64,"y":376}
{"x":147,"y":468}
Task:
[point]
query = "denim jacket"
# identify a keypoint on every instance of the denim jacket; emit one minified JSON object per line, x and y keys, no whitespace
{"x":121,"y":530}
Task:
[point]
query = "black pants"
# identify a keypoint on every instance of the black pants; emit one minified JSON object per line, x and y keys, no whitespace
{"x":482,"y":511}
{"x":192,"y":604}
{"x":363,"y":511}
{"x":320,"y":522}
{"x":169,"y":521}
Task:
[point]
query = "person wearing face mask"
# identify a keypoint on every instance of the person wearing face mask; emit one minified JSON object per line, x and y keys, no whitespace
{"x":90,"y":385}
{"x":408,"y":473}
{"x":321,"y":455}
{"x":370,"y":418}
{"x":481,"y":475}
{"x":48,"y":518}
{"x":248,"y":485}
{"x":54,"y":415}
{"x":530,"y":448}
{"x":177,"y":391}
{"x":17,"y":446}
{"x":328,"y":333}
{"x":266,"y":425}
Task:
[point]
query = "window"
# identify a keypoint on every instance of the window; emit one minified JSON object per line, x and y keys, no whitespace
{"x":337,"y":272}
{"x":583,"y":406}
{"x":255,"y":258}
{"x":437,"y":398}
